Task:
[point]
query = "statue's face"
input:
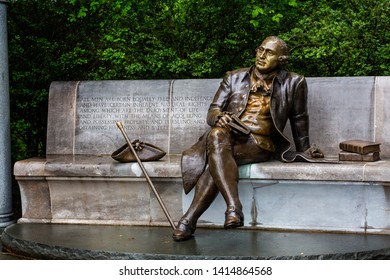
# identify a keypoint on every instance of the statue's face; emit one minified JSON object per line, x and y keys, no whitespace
{"x":267,"y":56}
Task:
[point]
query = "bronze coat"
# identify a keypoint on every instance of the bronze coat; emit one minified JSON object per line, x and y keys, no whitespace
{"x":288,"y":102}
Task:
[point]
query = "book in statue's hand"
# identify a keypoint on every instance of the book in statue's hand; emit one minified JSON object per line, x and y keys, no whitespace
{"x":237,"y":124}
{"x":360,"y":146}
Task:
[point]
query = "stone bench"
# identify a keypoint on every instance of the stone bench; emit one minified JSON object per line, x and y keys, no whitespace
{"x":78,"y":181}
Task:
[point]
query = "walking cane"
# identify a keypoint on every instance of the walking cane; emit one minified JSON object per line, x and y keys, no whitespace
{"x":122,"y":129}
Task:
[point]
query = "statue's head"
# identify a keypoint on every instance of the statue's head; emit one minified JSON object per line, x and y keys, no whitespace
{"x":271,"y":55}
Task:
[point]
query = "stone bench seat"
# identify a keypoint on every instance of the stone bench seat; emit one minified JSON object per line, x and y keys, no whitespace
{"x":96,"y":166}
{"x":79,"y":183}
{"x":169,"y":167}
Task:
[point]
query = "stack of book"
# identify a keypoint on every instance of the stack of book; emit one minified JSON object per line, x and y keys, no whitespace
{"x":359,"y":150}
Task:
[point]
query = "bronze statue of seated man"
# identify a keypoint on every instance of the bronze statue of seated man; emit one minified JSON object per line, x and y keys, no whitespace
{"x":260,"y":99}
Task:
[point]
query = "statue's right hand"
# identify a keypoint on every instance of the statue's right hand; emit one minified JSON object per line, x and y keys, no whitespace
{"x":224,"y":120}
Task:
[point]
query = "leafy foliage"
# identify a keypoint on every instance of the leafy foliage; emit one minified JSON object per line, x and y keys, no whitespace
{"x":168,"y":39}
{"x":342,"y":38}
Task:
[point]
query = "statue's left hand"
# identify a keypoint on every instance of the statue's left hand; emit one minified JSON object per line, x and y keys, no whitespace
{"x":314,"y":152}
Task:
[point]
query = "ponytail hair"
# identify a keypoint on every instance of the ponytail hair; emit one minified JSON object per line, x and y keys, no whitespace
{"x":283,"y":60}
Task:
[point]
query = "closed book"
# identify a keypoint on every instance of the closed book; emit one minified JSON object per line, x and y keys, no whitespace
{"x":360,"y":146}
{"x":347,"y":156}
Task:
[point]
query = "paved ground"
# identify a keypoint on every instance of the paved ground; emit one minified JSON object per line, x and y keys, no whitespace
{"x":50,"y":241}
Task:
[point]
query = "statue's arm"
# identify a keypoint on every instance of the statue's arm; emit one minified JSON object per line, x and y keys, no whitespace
{"x":299,"y":120}
{"x":219,"y":103}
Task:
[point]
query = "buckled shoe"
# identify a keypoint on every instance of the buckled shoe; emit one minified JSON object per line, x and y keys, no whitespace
{"x":233,"y":218}
{"x":183,"y":231}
